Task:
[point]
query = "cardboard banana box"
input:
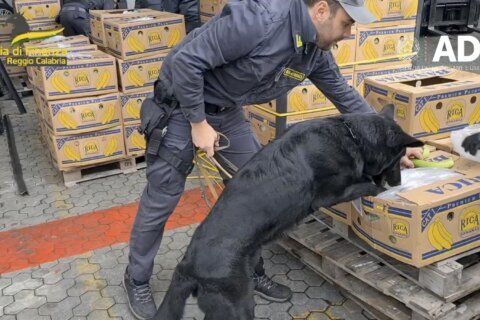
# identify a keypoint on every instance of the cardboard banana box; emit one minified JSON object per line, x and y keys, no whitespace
{"x":131,"y":104}
{"x":135,"y":143}
{"x":341,"y":212}
{"x":50,"y":49}
{"x":139,"y":75}
{"x":38,"y":105}
{"x":344,"y":52}
{"x":79,"y":40}
{"x":74,"y":116}
{"x":263,"y":122}
{"x":33,"y":10}
{"x":130,"y":39}
{"x":429,"y":103}
{"x":88,"y":148}
{"x":306,"y":96}
{"x":210,"y":8}
{"x":98,"y":17}
{"x":385,"y":68}
{"x":376,"y":43}
{"x":427,"y":224}
{"x":86,"y":74}
{"x":393,"y":11}
{"x":44,"y":25}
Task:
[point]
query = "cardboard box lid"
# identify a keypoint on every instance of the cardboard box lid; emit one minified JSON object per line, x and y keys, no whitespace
{"x":425,"y":81}
{"x":117,"y":12}
{"x":146,"y":20}
{"x":58,"y":39}
{"x":89,"y":55}
{"x":443,"y":190}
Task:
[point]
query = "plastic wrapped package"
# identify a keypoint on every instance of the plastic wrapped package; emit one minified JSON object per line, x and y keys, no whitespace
{"x":412,"y":179}
{"x":457,"y":138}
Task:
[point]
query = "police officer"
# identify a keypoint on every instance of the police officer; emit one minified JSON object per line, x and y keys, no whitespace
{"x":253,"y":52}
{"x":187,"y":8}
{"x":74,"y":15}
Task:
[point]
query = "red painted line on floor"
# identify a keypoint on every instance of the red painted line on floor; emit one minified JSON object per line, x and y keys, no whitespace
{"x":31,"y":246}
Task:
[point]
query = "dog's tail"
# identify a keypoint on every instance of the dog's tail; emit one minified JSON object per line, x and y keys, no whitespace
{"x":174,"y":302}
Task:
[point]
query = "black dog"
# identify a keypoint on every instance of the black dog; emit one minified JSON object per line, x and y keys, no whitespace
{"x":315,"y":164}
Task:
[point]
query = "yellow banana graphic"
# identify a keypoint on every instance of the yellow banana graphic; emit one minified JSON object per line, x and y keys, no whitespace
{"x":109,"y":114}
{"x":59,"y":84}
{"x":369,"y":50}
{"x":174,"y":38}
{"x":343,"y":54}
{"x":66,"y":120}
{"x":53,"y":12}
{"x":133,"y":110}
{"x":135,"y":44}
{"x":433,"y":119}
{"x":296,"y":101}
{"x":111,"y":147}
{"x":103,"y":80}
{"x":26,"y":13}
{"x":135,"y":78}
{"x":407,"y":47}
{"x":428,"y":121}
{"x":443,"y":241}
{"x":444,"y":232}
{"x":411,"y":9}
{"x":431,"y":238}
{"x":475,"y":116}
{"x":138,"y":141}
{"x":71,"y":153}
{"x":375,"y":9}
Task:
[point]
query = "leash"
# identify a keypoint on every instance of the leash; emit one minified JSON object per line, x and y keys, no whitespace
{"x":204,"y":176}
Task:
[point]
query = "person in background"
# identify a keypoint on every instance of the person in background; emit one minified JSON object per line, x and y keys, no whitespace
{"x":74,"y":15}
{"x":75,"y":19}
{"x":187,"y":8}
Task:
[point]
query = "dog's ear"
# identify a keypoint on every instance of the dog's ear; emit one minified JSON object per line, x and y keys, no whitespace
{"x":388,"y":111}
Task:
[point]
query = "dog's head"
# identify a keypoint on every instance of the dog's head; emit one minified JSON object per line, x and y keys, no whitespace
{"x":383,"y":144}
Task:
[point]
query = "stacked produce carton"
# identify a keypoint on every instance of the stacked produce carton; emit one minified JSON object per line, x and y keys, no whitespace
{"x":385,"y":46}
{"x":140,"y":41}
{"x":40,"y":14}
{"x":78,"y":103}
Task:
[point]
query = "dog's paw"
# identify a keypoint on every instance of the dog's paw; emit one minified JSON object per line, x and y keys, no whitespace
{"x":376,"y":190}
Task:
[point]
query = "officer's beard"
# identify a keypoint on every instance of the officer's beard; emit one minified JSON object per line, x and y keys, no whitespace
{"x":324,"y":34}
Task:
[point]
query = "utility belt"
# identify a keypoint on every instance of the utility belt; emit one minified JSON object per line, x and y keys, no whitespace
{"x":155,"y":114}
{"x":212,"y":109}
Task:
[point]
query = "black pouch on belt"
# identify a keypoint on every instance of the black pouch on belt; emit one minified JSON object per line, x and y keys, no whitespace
{"x":154,"y":119}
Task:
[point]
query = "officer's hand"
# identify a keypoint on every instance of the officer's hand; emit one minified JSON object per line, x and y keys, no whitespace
{"x":204,"y":137}
{"x":471,"y":144}
{"x":405,"y":162}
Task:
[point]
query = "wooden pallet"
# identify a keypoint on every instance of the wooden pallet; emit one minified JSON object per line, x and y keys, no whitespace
{"x":92,"y":172}
{"x":370,"y":280}
{"x":451,"y":279}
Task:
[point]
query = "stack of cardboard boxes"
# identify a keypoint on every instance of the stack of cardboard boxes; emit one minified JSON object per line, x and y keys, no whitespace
{"x":85,"y":120}
{"x":433,"y":222}
{"x":40,"y":14}
{"x":140,"y":41}
{"x":78,"y":103}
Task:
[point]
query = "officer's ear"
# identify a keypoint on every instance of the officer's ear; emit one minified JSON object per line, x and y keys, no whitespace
{"x":320,"y":12}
